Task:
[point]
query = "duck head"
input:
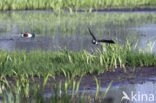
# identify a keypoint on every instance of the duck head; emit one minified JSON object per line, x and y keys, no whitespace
{"x":28,"y":35}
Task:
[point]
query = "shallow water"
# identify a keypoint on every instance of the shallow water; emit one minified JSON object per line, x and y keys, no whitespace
{"x":70,"y":31}
{"x":137,"y":92}
{"x":140,"y":87}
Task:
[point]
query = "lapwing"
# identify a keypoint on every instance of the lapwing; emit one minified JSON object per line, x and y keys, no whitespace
{"x":95,"y":41}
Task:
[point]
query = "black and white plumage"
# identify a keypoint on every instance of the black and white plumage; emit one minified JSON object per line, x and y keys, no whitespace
{"x":95,"y":41}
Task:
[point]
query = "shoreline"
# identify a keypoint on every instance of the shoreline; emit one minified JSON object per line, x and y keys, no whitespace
{"x":92,"y":11}
{"x":139,"y":75}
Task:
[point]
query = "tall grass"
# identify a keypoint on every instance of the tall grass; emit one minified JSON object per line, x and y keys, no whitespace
{"x":23,"y":89}
{"x":58,"y":5}
{"x":75,"y":63}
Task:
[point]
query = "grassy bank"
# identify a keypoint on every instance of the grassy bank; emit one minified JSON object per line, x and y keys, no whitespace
{"x":75,"y":63}
{"x":58,"y":5}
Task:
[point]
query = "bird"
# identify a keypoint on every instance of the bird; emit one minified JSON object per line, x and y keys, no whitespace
{"x":27,"y":35}
{"x":95,"y":41}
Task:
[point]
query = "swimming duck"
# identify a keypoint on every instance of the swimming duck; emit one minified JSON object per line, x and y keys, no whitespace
{"x":95,"y":41}
{"x":27,"y":35}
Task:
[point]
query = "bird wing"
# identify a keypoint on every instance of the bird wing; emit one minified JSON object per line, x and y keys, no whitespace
{"x":91,"y":34}
{"x":106,"y":41}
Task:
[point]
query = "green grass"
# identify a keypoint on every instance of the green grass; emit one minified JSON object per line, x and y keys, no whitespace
{"x":23,"y":89}
{"x":58,"y":5}
{"x":47,"y":23}
{"x":75,"y":63}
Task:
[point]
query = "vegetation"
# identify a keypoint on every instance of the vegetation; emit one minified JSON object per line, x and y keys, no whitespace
{"x":23,"y":89}
{"x":58,"y":5}
{"x":23,"y":66}
{"x":46,"y":23}
{"x":76,"y":63}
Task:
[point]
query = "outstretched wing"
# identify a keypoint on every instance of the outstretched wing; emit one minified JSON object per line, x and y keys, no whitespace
{"x":91,"y":34}
{"x":106,"y":41}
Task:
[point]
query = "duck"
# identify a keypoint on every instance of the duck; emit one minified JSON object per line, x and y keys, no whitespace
{"x":96,"y":42}
{"x":27,"y":35}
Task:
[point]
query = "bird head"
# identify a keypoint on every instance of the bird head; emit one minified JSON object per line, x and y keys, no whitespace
{"x":94,"y":41}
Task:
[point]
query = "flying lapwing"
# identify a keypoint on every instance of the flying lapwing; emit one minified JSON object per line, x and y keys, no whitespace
{"x":95,"y":41}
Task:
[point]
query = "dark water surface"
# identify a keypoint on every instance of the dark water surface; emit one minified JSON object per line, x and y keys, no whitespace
{"x":140,"y":86}
{"x":70,"y":31}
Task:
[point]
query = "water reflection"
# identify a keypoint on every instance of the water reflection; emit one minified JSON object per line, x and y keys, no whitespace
{"x":147,"y":35}
{"x":137,"y":92}
{"x":73,"y":43}
{"x":71,"y":32}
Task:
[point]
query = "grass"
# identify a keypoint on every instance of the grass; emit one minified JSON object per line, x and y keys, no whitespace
{"x":75,"y":63}
{"x":47,"y":23}
{"x":21,"y":65}
{"x":58,"y":5}
{"x":23,"y":89}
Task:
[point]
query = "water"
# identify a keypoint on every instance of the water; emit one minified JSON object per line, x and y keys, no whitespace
{"x":140,"y":87}
{"x":142,"y":91}
{"x":71,"y":32}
